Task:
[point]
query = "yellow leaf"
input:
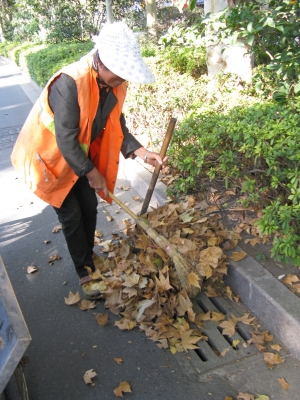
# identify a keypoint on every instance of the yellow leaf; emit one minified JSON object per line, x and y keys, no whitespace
{"x":284,"y":383}
{"x":193,"y":279}
{"x":123,"y":387}
{"x":235,"y":343}
{"x":72,"y":298}
{"x":262,"y":397}
{"x":118,"y":360}
{"x":102,"y":319}
{"x":88,"y":377}
{"x":238,"y":255}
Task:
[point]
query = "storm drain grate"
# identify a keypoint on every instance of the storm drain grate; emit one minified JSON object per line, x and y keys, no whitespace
{"x":218,"y":349}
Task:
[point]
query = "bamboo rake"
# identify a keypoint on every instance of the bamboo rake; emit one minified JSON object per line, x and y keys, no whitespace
{"x":183,"y":268}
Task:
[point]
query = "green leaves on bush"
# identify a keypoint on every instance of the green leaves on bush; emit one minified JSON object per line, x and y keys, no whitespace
{"x":44,"y":63}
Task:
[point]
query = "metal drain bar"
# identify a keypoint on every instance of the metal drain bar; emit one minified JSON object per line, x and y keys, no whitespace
{"x":210,"y":356}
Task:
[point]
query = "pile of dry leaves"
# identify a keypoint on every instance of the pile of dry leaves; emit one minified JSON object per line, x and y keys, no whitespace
{"x":139,"y":282}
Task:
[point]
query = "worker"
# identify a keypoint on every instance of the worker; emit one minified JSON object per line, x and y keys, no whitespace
{"x":68,"y":149}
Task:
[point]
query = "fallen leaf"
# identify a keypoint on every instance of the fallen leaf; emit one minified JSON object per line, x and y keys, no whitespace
{"x":193,"y":279}
{"x":276,"y":347}
{"x":57,"y":228}
{"x":238,"y":255}
{"x":72,"y":298}
{"x":245,"y":396}
{"x":228,"y":398}
{"x":262,"y":397}
{"x":228,"y":327}
{"x":109,"y":218}
{"x":272,"y":359}
{"x":290,"y":279}
{"x":283,"y":383}
{"x":188,"y":341}
{"x":87,"y":377}
{"x":235,"y":343}
{"x":217,"y":316}
{"x":125,"y":323}
{"x":136,"y":198}
{"x":124,"y":387}
{"x":54,"y":258}
{"x":46,"y":241}
{"x":118,"y":360}
{"x":102,"y":319}
{"x":245,"y":319}
{"x":86,"y":305}
{"x":98,"y":234}
{"x":224,"y":352}
{"x":31,"y":269}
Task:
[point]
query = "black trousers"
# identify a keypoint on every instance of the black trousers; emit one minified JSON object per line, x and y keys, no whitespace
{"x":78,"y":216}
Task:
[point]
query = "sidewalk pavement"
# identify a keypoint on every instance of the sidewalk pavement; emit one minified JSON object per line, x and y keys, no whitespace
{"x":66,"y":341}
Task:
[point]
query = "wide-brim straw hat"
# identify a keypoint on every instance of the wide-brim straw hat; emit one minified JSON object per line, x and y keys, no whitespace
{"x":120,"y":52}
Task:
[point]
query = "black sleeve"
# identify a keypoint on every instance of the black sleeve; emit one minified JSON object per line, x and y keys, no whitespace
{"x":63,"y":100}
{"x":130,"y":143}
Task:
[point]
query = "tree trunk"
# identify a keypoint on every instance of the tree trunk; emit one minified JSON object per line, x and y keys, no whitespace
{"x":109,"y":11}
{"x":151,"y":13}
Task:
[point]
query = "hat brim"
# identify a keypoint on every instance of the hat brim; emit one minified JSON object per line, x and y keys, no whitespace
{"x":132,"y":70}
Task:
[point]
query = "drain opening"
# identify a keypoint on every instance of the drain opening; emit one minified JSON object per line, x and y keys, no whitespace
{"x":228,"y":339}
{"x":243,"y":334}
{"x":202,"y":305}
{"x":211,"y":344}
{"x":218,"y":305}
{"x":201,"y":355}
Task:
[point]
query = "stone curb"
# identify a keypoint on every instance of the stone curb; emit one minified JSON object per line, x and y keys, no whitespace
{"x":267,"y":298}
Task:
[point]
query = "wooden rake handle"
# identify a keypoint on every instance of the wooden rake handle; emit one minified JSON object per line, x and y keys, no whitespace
{"x":155,"y":174}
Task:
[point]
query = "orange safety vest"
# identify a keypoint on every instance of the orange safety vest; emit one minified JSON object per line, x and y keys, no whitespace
{"x":36,"y":155}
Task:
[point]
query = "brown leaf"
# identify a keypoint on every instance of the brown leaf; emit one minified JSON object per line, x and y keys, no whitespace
{"x":224,"y":352}
{"x":217,"y":316}
{"x":57,"y":228}
{"x":86,"y":305}
{"x":102,"y":319}
{"x":283,"y":383}
{"x":88,"y":377}
{"x":211,"y":292}
{"x":188,"y":341}
{"x":124,"y":387}
{"x":245,"y":396}
{"x":193,"y":279}
{"x":72,"y":298}
{"x":118,"y":360}
{"x":253,"y":241}
{"x":272,"y":359}
{"x":245,"y":319}
{"x":31,"y":269}
{"x":125,"y":323}
{"x":228,"y":327}
{"x":276,"y":347}
{"x":54,"y":258}
{"x":290,"y":279}
{"x":238,"y":255}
